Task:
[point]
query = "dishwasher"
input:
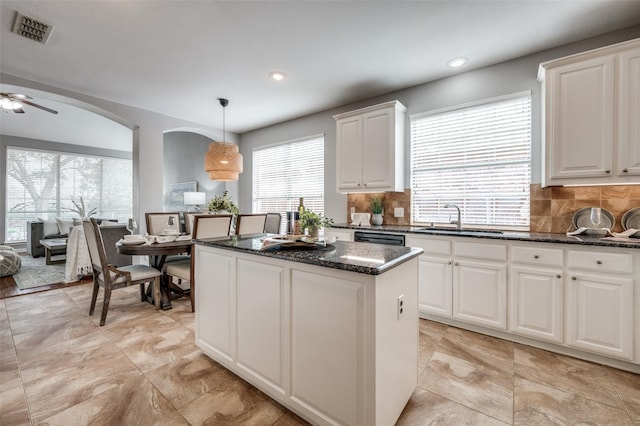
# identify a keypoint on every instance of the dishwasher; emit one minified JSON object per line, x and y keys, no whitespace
{"x":378,"y":238}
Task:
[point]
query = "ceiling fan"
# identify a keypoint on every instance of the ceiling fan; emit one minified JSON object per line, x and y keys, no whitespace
{"x":15,"y":101}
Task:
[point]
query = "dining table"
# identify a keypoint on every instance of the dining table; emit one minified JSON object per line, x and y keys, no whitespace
{"x":157,"y":254}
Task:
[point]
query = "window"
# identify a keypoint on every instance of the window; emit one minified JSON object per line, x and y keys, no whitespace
{"x":283,"y":173}
{"x":43,"y":184}
{"x":477,"y":156}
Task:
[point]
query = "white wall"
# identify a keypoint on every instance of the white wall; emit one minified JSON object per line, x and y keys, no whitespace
{"x":508,"y":77}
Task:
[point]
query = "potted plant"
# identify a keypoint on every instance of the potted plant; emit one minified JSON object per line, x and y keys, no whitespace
{"x":313,"y":222}
{"x":377,"y":210}
{"x":223,"y":204}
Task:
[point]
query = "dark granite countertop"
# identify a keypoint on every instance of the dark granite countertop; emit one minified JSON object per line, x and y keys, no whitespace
{"x":505,"y":235}
{"x":363,"y":258}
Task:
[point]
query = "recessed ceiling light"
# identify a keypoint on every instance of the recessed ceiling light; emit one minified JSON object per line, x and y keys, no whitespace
{"x":277,"y":75}
{"x":457,"y":62}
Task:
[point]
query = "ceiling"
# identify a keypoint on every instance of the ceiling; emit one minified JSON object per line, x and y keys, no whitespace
{"x":178,"y":57}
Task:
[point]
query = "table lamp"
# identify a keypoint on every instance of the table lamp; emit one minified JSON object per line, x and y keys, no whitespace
{"x":194,"y":199}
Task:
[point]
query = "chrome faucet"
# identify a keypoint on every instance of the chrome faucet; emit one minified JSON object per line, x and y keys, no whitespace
{"x":459,"y":221}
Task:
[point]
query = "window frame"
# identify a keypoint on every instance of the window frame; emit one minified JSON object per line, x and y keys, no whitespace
{"x":59,"y":200}
{"x":315,"y":203}
{"x":527,"y":94}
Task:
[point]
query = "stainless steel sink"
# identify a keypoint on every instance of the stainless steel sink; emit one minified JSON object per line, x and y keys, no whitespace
{"x":454,"y":231}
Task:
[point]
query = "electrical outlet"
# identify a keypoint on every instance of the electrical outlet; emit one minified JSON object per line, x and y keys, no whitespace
{"x":398,"y":212}
{"x":400,"y":305}
{"x":353,"y":209}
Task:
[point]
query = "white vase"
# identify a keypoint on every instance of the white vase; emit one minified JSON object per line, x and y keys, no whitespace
{"x":376,"y":219}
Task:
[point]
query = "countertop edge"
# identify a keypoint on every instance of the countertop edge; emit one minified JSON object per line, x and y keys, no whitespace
{"x":506,"y":235}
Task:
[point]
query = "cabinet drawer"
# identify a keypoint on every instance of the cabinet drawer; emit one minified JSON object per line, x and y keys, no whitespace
{"x":537,"y":255}
{"x":600,"y":261}
{"x":480,"y":250}
{"x":430,"y":246}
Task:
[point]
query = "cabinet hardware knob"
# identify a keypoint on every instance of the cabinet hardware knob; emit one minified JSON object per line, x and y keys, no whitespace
{"x":449,"y":263}
{"x":574,"y":278}
{"x":457,"y":264}
{"x":607,"y":171}
{"x":624,"y":170}
{"x":536,"y":256}
{"x":365,"y":184}
{"x":599,"y":262}
{"x":558,"y":276}
{"x":358,"y":184}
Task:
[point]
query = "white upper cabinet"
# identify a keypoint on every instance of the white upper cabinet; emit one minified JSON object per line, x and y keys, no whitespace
{"x":629,"y":107}
{"x":370,"y":149}
{"x":591,"y":104}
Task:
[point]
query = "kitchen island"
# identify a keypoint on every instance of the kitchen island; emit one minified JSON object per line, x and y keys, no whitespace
{"x":329,"y":332}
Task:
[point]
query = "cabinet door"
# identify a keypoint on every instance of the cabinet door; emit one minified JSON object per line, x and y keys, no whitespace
{"x":260,"y":321}
{"x":214,"y":275}
{"x":378,"y":150}
{"x":536,"y":302}
{"x":600,"y":314}
{"x":629,"y":111}
{"x":349,"y":153}
{"x":435,"y":286}
{"x":579,"y":120}
{"x":328,"y":312}
{"x":480,"y":293}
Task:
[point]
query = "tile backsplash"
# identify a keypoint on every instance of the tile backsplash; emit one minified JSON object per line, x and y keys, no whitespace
{"x":390,"y":200}
{"x":552,"y":208}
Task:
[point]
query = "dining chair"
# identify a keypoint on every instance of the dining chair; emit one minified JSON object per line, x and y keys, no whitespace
{"x":111,"y":277}
{"x":158,"y":222}
{"x":204,"y":226}
{"x":272,"y":224}
{"x":250,"y":223}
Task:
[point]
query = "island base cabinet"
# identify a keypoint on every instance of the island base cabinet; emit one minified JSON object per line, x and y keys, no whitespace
{"x":335,"y":347}
{"x":328,"y":313}
{"x":213,"y":303}
{"x":601,"y":314}
{"x":360,"y":361}
{"x":260,"y":322}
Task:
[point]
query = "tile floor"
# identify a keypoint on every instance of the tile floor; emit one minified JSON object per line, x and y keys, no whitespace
{"x":57,"y":367}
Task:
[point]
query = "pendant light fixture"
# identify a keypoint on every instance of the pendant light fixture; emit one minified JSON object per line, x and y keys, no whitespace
{"x":223,"y":161}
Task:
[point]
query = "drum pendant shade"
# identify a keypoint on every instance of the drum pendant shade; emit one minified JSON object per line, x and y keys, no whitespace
{"x":223,"y":161}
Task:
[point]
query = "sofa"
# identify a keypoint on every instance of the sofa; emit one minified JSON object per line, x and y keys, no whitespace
{"x":41,"y":230}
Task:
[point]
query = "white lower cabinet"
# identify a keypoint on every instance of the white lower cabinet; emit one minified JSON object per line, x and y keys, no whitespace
{"x":480,"y":292}
{"x":463,"y":280}
{"x":436,"y":285}
{"x":581,"y":298}
{"x":536,"y":302}
{"x":600,"y":317}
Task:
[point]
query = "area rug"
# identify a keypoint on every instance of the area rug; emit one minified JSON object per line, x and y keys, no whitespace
{"x":34,"y":272}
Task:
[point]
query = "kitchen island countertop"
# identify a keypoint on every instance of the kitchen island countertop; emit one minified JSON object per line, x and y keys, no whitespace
{"x":364,"y":258}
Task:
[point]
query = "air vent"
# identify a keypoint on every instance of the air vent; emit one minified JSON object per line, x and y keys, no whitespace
{"x":32,"y":28}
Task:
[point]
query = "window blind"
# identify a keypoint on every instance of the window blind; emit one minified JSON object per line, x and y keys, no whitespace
{"x":478,"y":157}
{"x":285,"y":172}
{"x":43,"y":184}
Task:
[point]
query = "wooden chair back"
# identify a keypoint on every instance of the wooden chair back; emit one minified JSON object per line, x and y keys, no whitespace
{"x":273,"y":223}
{"x":96,"y":246}
{"x":158,"y":222}
{"x":250,"y":223}
{"x":211,"y":225}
